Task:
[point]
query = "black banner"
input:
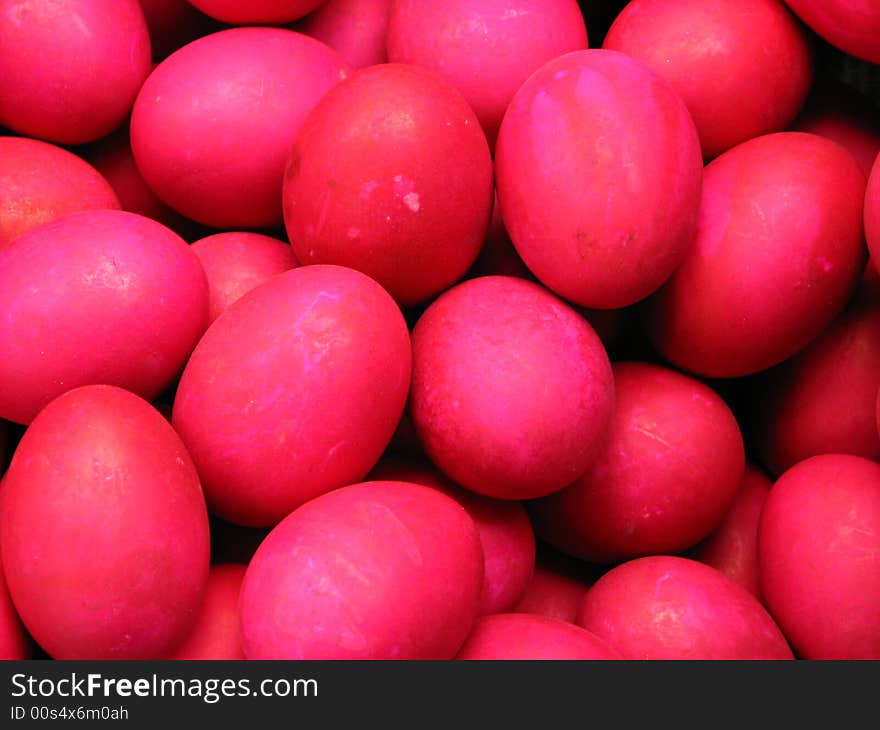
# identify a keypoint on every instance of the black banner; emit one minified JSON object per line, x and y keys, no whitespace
{"x":416,"y":694}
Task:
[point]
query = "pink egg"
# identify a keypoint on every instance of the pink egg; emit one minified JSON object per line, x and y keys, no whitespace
{"x":14,"y":641}
{"x":101,"y":296}
{"x":104,"y":532}
{"x":485,"y":48}
{"x":381,"y":570}
{"x":506,"y":534}
{"x":40,"y":182}
{"x":819,"y":557}
{"x":216,"y":634}
{"x":236,"y":262}
{"x":664,"y":480}
{"x":778,"y":252}
{"x":112,"y":157}
{"x":598,"y":170}
{"x":872,"y":210}
{"x":743,"y":67}
{"x":822,"y":401}
{"x":851,"y":25}
{"x":391,"y":175}
{"x":733,"y":547}
{"x":212,"y":126}
{"x":356,"y":29}
{"x":256,"y":12}
{"x":295,"y":390}
{"x":521,"y":636}
{"x":672,"y":608}
{"x":552,"y":594}
{"x":70,"y":69}
{"x":512,"y":390}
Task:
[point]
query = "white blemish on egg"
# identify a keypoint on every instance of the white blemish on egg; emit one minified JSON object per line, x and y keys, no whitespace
{"x":824,"y":264}
{"x":412,"y":202}
{"x":354,"y":232}
{"x":367,"y":189}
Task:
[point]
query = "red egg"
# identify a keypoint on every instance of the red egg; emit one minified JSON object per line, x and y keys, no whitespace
{"x":778,"y":252}
{"x":104,"y":532}
{"x":236,"y":262}
{"x":522,"y":636}
{"x":848,"y":119}
{"x":512,"y":390}
{"x":732,"y":548}
{"x":485,"y":48}
{"x":294,"y":391}
{"x":872,"y":211}
{"x":851,"y":25}
{"x":598,"y":169}
{"x":743,"y":67}
{"x":391,"y":175}
{"x":356,"y":29}
{"x":381,"y":570}
{"x":664,"y":480}
{"x":552,"y":594}
{"x":14,"y":641}
{"x":822,"y":401}
{"x":112,"y":157}
{"x":216,"y":634}
{"x":70,"y":69}
{"x":672,"y":608}
{"x":100,"y":296}
{"x":213,"y":124}
{"x":819,"y":557}
{"x":40,"y":182}
{"x":506,"y":534}
{"x":256,"y":12}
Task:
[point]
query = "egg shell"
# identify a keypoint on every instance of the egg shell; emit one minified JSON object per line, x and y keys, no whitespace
{"x":672,"y":608}
{"x":356,"y":29}
{"x":40,"y":182}
{"x":819,"y":556}
{"x":778,"y":253}
{"x":512,"y":391}
{"x":506,"y":534}
{"x":391,"y":175}
{"x":853,"y":26}
{"x":732,"y":548}
{"x":485,"y":48}
{"x":104,"y":531}
{"x":100,"y":296}
{"x":520,"y":636}
{"x":743,"y":67}
{"x":216,"y":634}
{"x":293,"y":391}
{"x":212,"y":126}
{"x":236,"y":262}
{"x":70,"y":69}
{"x":822,"y":401}
{"x":379,"y":570}
{"x":667,"y":474}
{"x":599,"y":169}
